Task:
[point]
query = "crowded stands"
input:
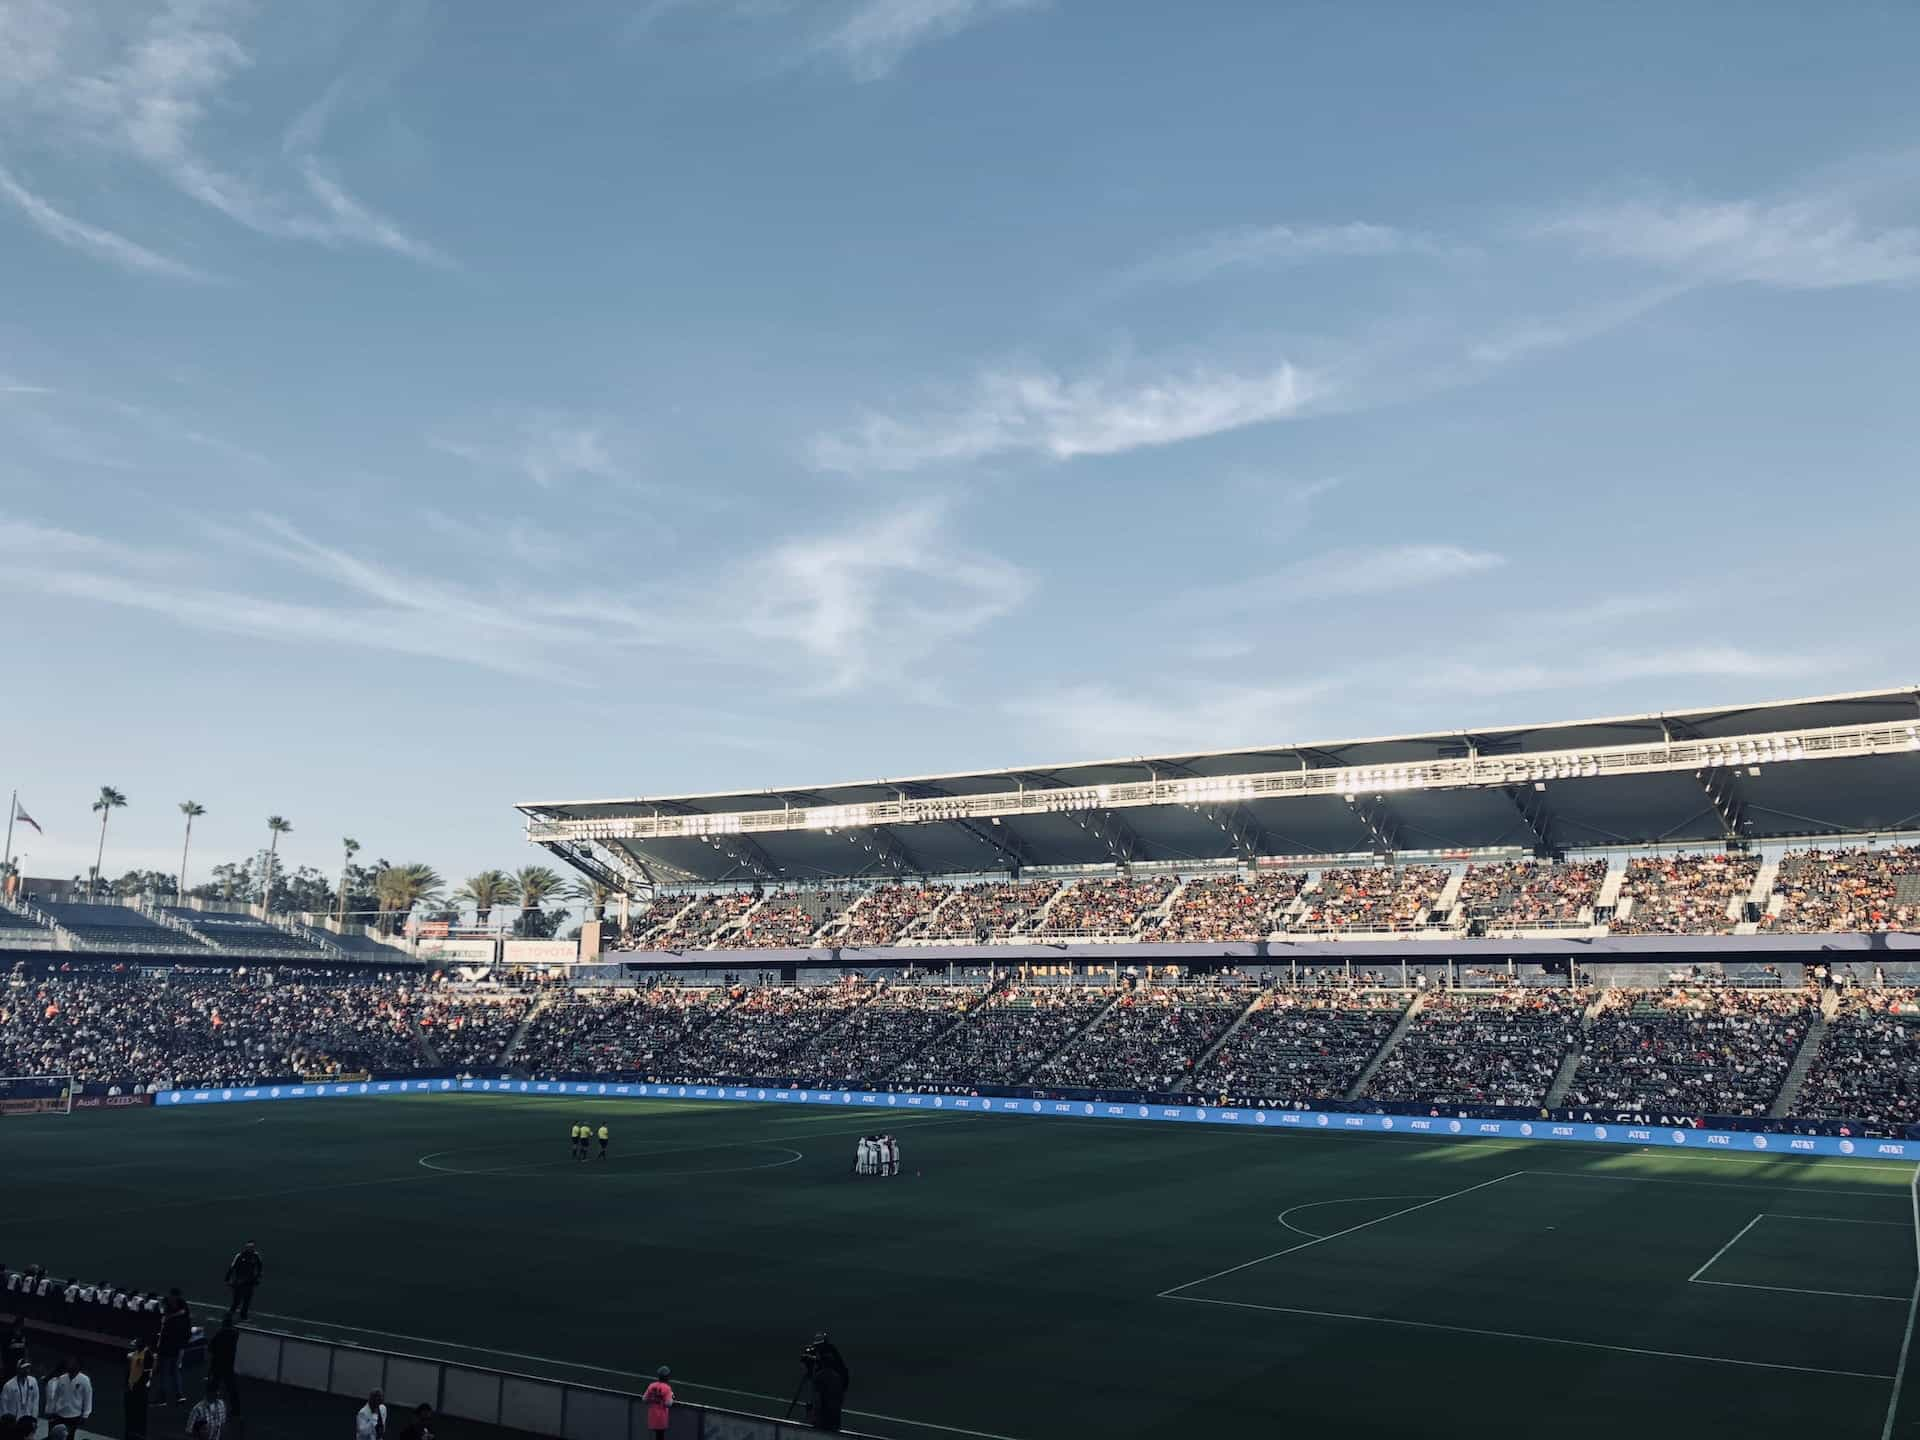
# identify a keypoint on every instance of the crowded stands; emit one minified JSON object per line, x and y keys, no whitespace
{"x":1303,"y":1045}
{"x":1149,"y":1040}
{"x":1372,"y":897}
{"x":887,"y":1038}
{"x":1116,"y":907}
{"x":1685,"y":894}
{"x":1523,"y":893}
{"x":1817,"y":891}
{"x":754,"y":1037}
{"x":1869,"y":1063}
{"x":1691,"y":1050}
{"x":1229,"y":907}
{"x":1012,"y":1035}
{"x":995,"y":911}
{"x":1482,"y":1048}
{"x":613,"y":1032}
{"x":888,"y":912}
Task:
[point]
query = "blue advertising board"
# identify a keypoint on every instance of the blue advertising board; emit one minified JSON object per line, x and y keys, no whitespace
{"x":1422,"y":1126}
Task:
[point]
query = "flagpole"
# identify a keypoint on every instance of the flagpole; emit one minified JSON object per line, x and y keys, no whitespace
{"x":13,"y":804}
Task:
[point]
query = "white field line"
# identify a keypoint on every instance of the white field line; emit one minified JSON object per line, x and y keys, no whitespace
{"x":596,"y":1369}
{"x":1796,"y":1290}
{"x":1174,"y":1293}
{"x":1906,"y":1341}
{"x":1520,"y":1335}
{"x":1738,"y":1237}
{"x":1837,"y":1219}
{"x":1339,"y":1200}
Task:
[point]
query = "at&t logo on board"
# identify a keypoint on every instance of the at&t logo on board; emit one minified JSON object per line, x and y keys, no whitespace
{"x":1319,"y":1119}
{"x":1759,"y":1142}
{"x":1526,"y":1129}
{"x":1679,"y":1137}
{"x":1846,"y":1147}
{"x":1599,"y":1132}
{"x":1386,"y":1122}
{"x":1454,"y":1126}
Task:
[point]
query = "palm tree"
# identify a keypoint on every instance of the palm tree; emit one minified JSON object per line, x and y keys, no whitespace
{"x":486,"y":890}
{"x":193,"y":812}
{"x":596,"y":893}
{"x":276,"y":827}
{"x":534,"y":886}
{"x":399,"y":888}
{"x":110,"y":800}
{"x":351,"y":847}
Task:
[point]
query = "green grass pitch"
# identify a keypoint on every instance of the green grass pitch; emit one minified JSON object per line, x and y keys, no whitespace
{"x":1025,"y":1278}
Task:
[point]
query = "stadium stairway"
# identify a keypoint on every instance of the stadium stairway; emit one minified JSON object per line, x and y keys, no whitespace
{"x":1077,"y":1036}
{"x":1200,"y":1065}
{"x":1400,"y":1028}
{"x":1803,"y":1059}
{"x":514,"y":1041}
{"x":1570,"y":1062}
{"x":423,"y":1043}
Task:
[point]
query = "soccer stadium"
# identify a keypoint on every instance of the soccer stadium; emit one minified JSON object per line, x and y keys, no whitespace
{"x":1442,"y":1084}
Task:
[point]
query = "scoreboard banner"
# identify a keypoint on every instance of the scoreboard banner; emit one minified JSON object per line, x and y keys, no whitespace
{"x":1281,"y":1121}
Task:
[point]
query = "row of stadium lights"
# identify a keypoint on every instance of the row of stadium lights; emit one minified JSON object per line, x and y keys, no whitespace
{"x":1768,"y":750}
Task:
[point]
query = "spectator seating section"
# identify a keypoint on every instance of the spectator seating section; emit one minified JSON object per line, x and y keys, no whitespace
{"x":790,"y":918}
{"x":1150,"y":1040}
{"x":1303,"y":1045}
{"x":1102,"y":908}
{"x":1228,"y":908}
{"x":118,"y":927}
{"x":887,"y":1038}
{"x":1868,"y":1067}
{"x":1525,"y":893}
{"x":1373,"y":897}
{"x":1691,"y":1050}
{"x":888,"y":912}
{"x":1010,"y":1036}
{"x":996,"y":910}
{"x":1484,"y":1048}
{"x":1685,"y":894}
{"x":756,"y":1036}
{"x":1846,"y":890}
{"x":244,"y":933}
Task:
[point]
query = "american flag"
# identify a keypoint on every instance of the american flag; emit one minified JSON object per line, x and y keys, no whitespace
{"x":26,"y":819}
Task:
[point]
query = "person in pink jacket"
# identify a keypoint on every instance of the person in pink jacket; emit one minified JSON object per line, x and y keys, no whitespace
{"x":659,"y":1398}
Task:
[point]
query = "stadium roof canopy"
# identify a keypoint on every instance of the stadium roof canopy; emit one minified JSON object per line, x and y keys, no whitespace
{"x":1838,"y":765}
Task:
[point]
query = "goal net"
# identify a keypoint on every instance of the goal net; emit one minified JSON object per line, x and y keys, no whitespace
{"x":36,"y":1094}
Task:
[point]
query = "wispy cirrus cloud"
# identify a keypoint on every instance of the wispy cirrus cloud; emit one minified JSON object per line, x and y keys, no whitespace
{"x":1046,"y":413}
{"x":876,"y":35}
{"x":1273,"y":247}
{"x":88,"y":239}
{"x":547,"y":448}
{"x":873,"y":600}
{"x":1100,"y":719}
{"x":142,"y":84}
{"x":1814,"y":242}
{"x":1347,"y":573}
{"x":1604,"y":667}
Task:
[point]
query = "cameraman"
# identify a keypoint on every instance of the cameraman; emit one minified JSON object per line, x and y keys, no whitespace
{"x":828,"y":1369}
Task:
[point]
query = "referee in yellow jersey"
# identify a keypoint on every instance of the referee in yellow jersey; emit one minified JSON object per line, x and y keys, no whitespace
{"x":605,"y":1136}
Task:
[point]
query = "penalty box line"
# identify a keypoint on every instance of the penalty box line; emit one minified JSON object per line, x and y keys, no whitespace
{"x":1522,"y":1335}
{"x":1696,"y":1278}
{"x":1174,"y":1292}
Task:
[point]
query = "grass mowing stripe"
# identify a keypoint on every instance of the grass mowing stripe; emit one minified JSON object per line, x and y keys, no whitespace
{"x":1322,"y":1239}
{"x":1518,"y":1335}
{"x":1738,"y":1236}
{"x":1711,"y":1184}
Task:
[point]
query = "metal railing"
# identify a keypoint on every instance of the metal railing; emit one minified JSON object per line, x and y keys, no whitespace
{"x":536,"y":1404}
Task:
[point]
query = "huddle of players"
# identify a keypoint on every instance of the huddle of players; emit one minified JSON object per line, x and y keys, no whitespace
{"x":877,"y":1155}
{"x":581,"y":1137}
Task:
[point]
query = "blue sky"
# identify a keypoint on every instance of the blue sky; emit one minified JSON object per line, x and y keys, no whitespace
{"x":407,"y":409}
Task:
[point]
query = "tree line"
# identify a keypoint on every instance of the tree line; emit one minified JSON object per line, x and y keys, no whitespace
{"x":383,"y":892}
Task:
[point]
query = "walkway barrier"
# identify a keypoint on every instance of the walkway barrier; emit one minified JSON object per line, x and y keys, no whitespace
{"x":527,"y":1403}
